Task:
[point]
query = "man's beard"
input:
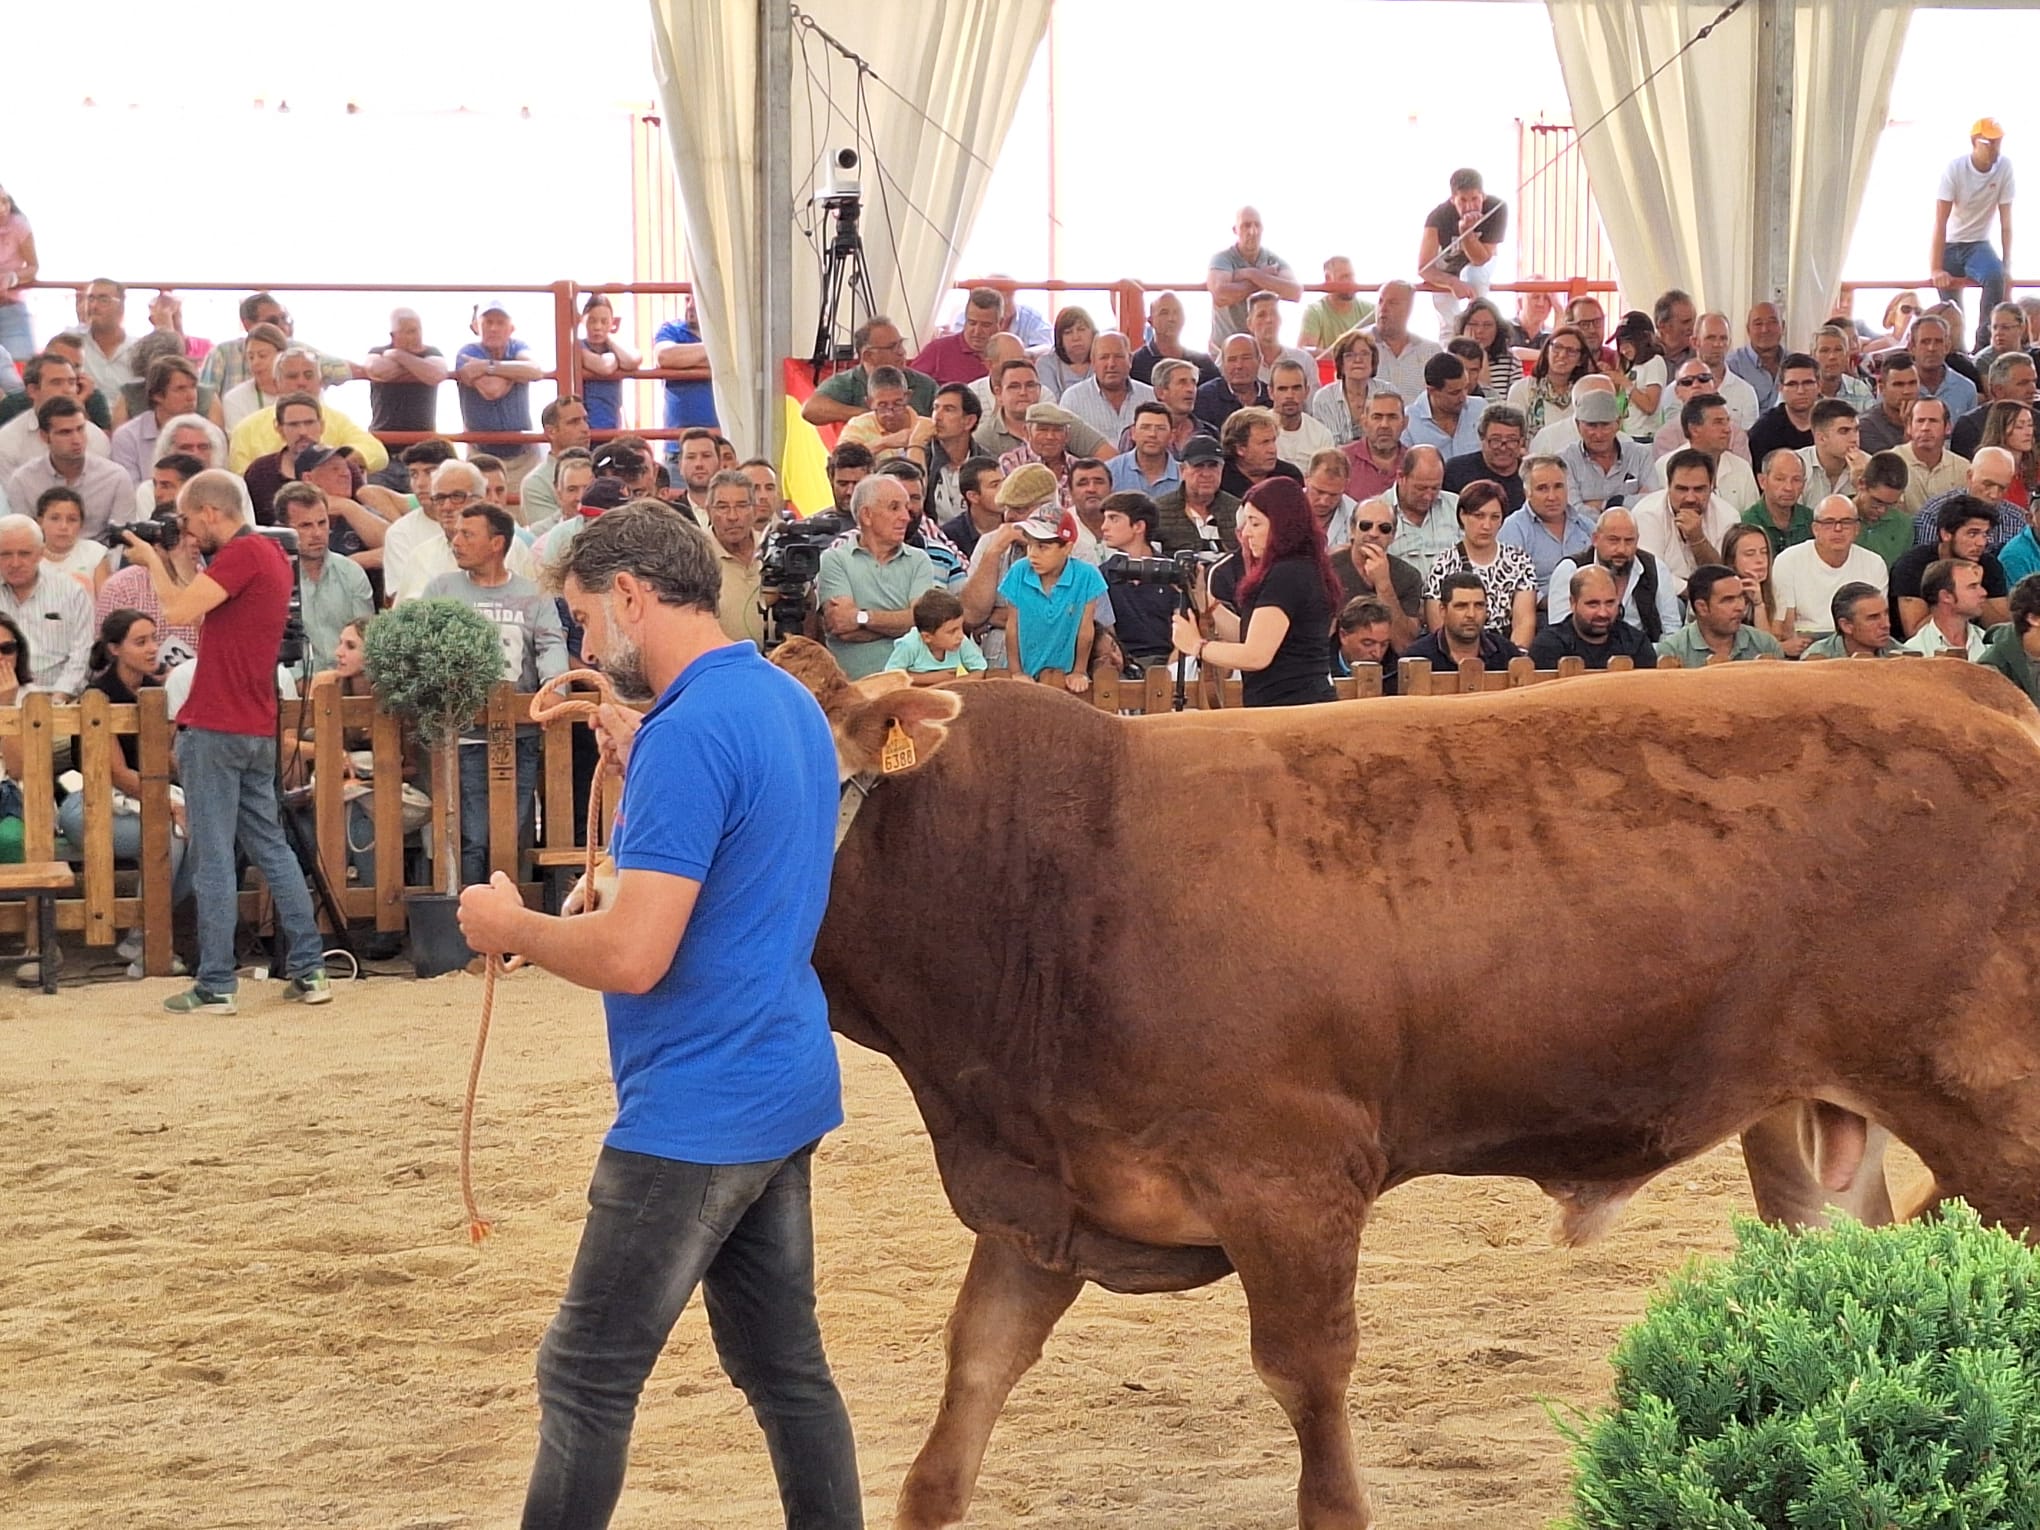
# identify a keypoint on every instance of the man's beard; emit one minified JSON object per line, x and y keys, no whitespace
{"x":623,"y":661}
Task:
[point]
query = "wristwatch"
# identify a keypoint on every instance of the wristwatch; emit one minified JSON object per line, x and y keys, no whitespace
{"x":864,"y":618}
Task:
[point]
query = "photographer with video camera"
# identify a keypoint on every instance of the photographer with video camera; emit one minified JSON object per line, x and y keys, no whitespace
{"x":226,"y":741}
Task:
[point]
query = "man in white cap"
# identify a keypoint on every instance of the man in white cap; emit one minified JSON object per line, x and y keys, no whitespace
{"x":1603,"y":467}
{"x":495,"y":373}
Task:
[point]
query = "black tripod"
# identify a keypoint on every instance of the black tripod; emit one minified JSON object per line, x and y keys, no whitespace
{"x":842,"y":272}
{"x":290,"y":654}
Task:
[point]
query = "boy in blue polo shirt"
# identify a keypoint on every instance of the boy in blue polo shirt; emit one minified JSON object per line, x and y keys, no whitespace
{"x":1049,"y":623}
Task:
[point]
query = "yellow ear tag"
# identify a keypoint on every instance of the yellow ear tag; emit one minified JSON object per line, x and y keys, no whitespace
{"x":899,"y":753}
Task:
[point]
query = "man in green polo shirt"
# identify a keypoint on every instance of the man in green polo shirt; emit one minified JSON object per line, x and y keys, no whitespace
{"x":867,"y":588}
{"x":848,"y":394}
{"x":1717,"y":629}
{"x":1781,"y":479}
{"x":1880,"y":505}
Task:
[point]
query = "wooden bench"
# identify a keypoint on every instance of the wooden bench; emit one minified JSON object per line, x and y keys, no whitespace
{"x":41,"y":879}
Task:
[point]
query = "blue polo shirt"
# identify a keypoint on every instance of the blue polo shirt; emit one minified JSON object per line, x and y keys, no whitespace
{"x":1127,"y":477}
{"x":687,"y":403}
{"x":732,"y":784}
{"x":510,"y":412}
{"x":1049,"y":618}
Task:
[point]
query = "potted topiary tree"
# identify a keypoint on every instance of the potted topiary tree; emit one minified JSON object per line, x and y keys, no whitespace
{"x":435,"y":662}
{"x":1846,"y":1378}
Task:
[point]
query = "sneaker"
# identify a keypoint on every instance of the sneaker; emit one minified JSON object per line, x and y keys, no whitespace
{"x":313,"y":988}
{"x":130,"y":947}
{"x":29,"y":973}
{"x":177,"y":969}
{"x":198,"y":1001}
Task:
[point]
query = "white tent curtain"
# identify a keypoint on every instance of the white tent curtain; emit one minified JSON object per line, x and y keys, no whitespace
{"x":960,"y":64}
{"x":1673,"y":168}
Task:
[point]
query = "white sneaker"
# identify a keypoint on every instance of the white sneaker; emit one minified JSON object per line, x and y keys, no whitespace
{"x":130,"y":947}
{"x":177,"y":969}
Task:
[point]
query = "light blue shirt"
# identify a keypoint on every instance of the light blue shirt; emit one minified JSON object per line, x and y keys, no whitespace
{"x":1956,"y":391}
{"x":1746,"y":364}
{"x":1417,"y":545}
{"x":1128,"y":479}
{"x":1049,"y":619}
{"x":2020,"y":556}
{"x":1423,"y":430}
{"x":1523,"y":530}
{"x":912,"y":654}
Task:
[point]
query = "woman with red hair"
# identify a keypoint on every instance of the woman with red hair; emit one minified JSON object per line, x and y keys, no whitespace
{"x":1281,"y":637}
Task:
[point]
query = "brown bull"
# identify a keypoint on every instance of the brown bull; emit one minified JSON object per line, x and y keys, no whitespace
{"x":1183,"y":996}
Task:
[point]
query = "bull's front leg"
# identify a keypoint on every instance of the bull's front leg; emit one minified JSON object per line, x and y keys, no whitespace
{"x":1004,"y":1313}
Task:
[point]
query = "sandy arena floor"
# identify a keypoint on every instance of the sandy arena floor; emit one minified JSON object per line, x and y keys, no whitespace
{"x":235,"y":1291}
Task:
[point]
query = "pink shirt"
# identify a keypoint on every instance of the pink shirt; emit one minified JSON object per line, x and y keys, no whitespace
{"x":13,"y":252}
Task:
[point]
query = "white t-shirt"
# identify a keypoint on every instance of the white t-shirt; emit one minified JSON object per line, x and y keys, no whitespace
{"x":81,"y":560}
{"x":1636,"y":422}
{"x":1298,"y":446}
{"x":177,"y":685}
{"x":1657,"y":533}
{"x":1975,"y":194}
{"x":1804,"y":585}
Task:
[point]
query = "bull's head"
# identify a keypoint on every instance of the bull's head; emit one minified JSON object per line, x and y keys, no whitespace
{"x":884,"y":725}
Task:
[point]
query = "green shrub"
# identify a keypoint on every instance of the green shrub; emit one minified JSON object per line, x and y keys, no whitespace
{"x":1846,"y":1379}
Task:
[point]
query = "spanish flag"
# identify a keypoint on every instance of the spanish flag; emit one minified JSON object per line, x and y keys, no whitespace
{"x":804,"y":465}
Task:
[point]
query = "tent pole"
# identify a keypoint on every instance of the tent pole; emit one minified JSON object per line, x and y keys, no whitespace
{"x":774,"y":312}
{"x":1771,"y":254}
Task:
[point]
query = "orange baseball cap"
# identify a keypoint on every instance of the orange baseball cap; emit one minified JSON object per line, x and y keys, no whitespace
{"x":1987,"y":127}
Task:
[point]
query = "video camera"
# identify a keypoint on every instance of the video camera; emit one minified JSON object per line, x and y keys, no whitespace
{"x":788,"y":565}
{"x":290,"y":653}
{"x":1179,"y":570}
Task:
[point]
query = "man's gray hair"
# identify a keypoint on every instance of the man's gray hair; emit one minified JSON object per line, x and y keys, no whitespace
{"x":466,"y":472}
{"x":25,"y":523}
{"x":1167,"y":368}
{"x":868,"y":489}
{"x":2002,"y":367}
{"x":215,"y":489}
{"x":213,"y":433}
{"x":730,"y":478}
{"x":297,"y":350}
{"x":1287,"y":365}
{"x":653,"y":543}
{"x":1378,"y":389}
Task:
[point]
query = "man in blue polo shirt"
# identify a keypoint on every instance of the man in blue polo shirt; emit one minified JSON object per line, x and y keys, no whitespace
{"x":678,"y":347}
{"x":494,"y":376}
{"x":719,"y":1039}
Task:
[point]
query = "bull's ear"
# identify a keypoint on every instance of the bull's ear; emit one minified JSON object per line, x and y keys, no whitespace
{"x":812,"y":665}
{"x":901,"y":731}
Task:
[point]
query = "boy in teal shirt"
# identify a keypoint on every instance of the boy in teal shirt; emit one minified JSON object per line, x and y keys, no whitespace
{"x":1049,"y":622}
{"x":938,"y":648}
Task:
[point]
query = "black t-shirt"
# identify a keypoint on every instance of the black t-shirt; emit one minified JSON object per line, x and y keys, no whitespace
{"x":1409,"y":584}
{"x":403,"y":405}
{"x":1141,"y":615}
{"x":1774,"y":428}
{"x":1144,"y":360}
{"x":1562,"y":640}
{"x":1301,"y":669}
{"x":1471,"y":467}
{"x":109,"y":686}
{"x":1444,"y":221}
{"x":1912,"y":564}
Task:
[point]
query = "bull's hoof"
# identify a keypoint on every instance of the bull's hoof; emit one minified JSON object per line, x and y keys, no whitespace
{"x":928,"y":1505}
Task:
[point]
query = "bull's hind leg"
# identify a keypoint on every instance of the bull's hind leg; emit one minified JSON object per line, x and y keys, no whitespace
{"x":1297,"y":1269}
{"x":1807,"y":1157}
{"x":1003,"y":1314}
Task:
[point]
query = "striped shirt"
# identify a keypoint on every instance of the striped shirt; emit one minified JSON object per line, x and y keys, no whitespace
{"x":56,"y":617}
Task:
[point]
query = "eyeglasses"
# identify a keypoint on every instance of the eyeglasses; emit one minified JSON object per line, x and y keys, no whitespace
{"x":1834,"y":521}
{"x":458,"y":497}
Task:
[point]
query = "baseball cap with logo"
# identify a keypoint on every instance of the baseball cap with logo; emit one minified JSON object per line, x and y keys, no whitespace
{"x":1201,"y":449}
{"x":1049,"y":525}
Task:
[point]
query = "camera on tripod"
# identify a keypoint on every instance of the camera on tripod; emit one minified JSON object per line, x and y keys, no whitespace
{"x":842,"y":187}
{"x":290,"y":652}
{"x":788,"y":566}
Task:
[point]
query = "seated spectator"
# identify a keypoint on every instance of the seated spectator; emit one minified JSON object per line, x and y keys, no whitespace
{"x":948,"y":447}
{"x":1006,"y":429}
{"x":699,"y":459}
{"x":1066,"y":360}
{"x":1002,"y":349}
{"x":2009,"y":427}
{"x":2009,"y":380}
{"x":1374,"y":459}
{"x":890,"y":426}
{"x":46,"y":376}
{"x":259,"y":389}
{"x":1499,"y":457}
{"x":188,"y":435}
{"x":334,"y":590}
{"x":1338,"y":313}
{"x":1644,"y":377}
{"x":1506,"y":573}
{"x":1789,"y":421}
{"x":605,"y":360}
{"x":1719,"y":628}
{"x":589,"y":499}
{"x":1834,"y":366}
{"x":230,"y":363}
{"x":1264,"y":325}
{"x":1462,"y":631}
{"x":1426,"y":517}
{"x":17,"y":671}
{"x":1592,"y":630}
{"x":1141,"y":611}
{"x":1106,"y":400}
{"x":1603,"y":468}
{"x":1883,"y":425}
{"x":937,"y":649}
{"x":66,"y":459}
{"x":1369,"y":570}
{"x":567,"y":423}
{"x":571,"y":470}
{"x":1682,"y":524}
{"x":1165,"y":343}
{"x":2014,"y":647}
{"x":1341,"y":404}
{"x":1147,"y":466}
{"x":1804,"y":578}
{"x":1962,"y":533}
{"x":123,"y":662}
{"x":1090,"y":483}
{"x":1048,"y":599}
{"x":1988,"y":479}
{"x":49,"y":606}
{"x":1199,"y":514}
{"x":1324,"y":485}
{"x":1746,"y":551}
{"x":867,"y":589}
{"x":846,"y":394}
{"x":1834,"y":461}
{"x":71,"y":348}
{"x":404,"y":377}
{"x":534,"y":650}
{"x":300,"y":423}
{"x":133,"y":398}
{"x":1781,"y":511}
{"x":979,"y":481}
{"x":129,"y":584}
{"x":959,"y":357}
{"x":1546,"y":526}
{"x":1862,"y":618}
{"x":1880,"y":504}
{"x":1248,"y":440}
{"x":1545,"y":397}
{"x":1558,"y":436}
{"x":1176,"y":388}
{"x":492,"y":375}
{"x":297,"y":372}
{"x":1703,"y":423}
{"x":1441,"y":416}
{"x":170,"y":392}
{"x":419,"y":546}
{"x":1048,"y":430}
{"x":61,"y":515}
{"x":1952,"y":589}
{"x":1482,"y":323}
{"x":1931,"y":344}
{"x":1645,"y":594}
{"x":1238,"y":385}
{"x":1364,"y":637}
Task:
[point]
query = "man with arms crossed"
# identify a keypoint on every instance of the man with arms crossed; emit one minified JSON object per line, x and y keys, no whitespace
{"x":718,"y":1032}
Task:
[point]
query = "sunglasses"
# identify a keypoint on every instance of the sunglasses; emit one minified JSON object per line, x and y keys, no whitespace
{"x":1687,"y":382}
{"x":9,"y":650}
{"x":1374,"y":525}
